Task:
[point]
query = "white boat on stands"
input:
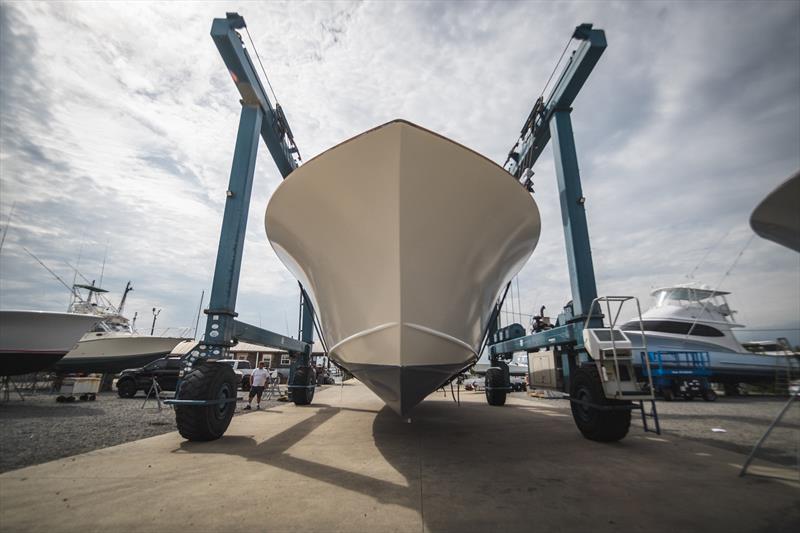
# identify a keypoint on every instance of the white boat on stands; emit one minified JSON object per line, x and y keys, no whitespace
{"x":34,"y":340}
{"x":694,"y":317}
{"x":403,"y":240}
{"x":112,"y":345}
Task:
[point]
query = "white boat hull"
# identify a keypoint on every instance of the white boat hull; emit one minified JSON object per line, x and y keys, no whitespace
{"x":112,"y":352}
{"x":726,"y":365}
{"x":403,"y":240}
{"x":34,"y":340}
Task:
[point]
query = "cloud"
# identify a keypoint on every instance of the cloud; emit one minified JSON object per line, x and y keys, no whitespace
{"x":117,"y":128}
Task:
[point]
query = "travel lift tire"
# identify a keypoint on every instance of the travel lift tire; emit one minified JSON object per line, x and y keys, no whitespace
{"x":596,"y":424}
{"x":303,"y":385}
{"x":496,"y":386}
{"x":208,"y":381}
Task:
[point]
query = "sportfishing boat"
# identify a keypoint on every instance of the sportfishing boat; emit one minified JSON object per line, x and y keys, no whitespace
{"x":34,"y":340}
{"x":112,"y":345}
{"x":694,"y":317}
{"x":403,"y":240}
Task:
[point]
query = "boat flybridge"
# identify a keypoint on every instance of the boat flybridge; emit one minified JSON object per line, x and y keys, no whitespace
{"x":690,"y":316}
{"x":696,"y":318}
{"x":111,"y":345}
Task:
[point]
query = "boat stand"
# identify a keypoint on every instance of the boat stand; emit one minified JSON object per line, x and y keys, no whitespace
{"x":155,"y":390}
{"x":7,"y":385}
{"x":274,"y":388}
{"x":794,"y":396}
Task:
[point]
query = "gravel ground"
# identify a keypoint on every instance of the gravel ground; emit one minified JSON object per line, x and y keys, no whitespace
{"x":743,"y":419}
{"x":40,"y":429}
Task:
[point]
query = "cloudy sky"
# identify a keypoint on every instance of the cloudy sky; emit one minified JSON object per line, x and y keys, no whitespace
{"x":119,"y":120}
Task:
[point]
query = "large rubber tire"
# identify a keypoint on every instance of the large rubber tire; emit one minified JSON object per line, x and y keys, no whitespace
{"x":126,"y":388}
{"x":596,"y":424}
{"x":305,"y":379}
{"x":246,"y":383}
{"x":208,"y":381}
{"x":496,"y":386}
{"x":709,"y":395}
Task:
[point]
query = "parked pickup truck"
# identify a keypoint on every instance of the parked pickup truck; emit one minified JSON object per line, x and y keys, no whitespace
{"x":244,"y":367}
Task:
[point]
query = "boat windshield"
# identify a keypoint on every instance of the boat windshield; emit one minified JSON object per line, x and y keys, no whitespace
{"x":106,"y":326}
{"x":682,"y":296}
{"x":713,"y":303}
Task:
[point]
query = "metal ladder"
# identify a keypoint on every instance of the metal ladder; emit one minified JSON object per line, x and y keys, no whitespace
{"x":652,"y":414}
{"x":627,"y":360}
{"x":787,"y":372}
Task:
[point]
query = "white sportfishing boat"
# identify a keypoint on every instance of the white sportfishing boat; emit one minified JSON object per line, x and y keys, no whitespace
{"x":112,"y":345}
{"x":403,"y":240}
{"x":34,"y":340}
{"x":694,"y":317}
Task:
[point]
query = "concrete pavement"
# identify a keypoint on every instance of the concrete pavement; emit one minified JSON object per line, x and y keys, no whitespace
{"x":347,"y":463}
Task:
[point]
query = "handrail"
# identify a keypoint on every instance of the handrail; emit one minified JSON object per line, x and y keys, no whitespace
{"x":612,"y":325}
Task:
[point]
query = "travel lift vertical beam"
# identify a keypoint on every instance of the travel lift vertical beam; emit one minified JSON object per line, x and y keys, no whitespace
{"x":597,"y":417}
{"x":206,"y":395}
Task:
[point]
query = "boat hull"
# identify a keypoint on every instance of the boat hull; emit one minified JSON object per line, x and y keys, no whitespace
{"x":34,"y":340}
{"x":727,"y":366}
{"x":114,"y":352}
{"x":403,"y":240}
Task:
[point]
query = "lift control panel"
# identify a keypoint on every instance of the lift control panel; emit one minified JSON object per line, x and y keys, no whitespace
{"x":600,"y":342}
{"x":611,"y":351}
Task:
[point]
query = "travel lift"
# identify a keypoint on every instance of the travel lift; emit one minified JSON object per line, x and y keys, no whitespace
{"x":206,"y":394}
{"x":594,"y":356}
{"x":590,"y":361}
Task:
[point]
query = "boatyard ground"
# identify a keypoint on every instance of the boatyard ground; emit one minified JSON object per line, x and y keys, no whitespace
{"x":347,"y":463}
{"x":39,"y":429}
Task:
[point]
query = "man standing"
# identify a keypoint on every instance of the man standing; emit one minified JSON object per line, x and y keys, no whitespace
{"x":258,"y":379}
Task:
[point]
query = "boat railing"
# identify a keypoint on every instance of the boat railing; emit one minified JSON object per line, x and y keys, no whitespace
{"x":675,"y":363}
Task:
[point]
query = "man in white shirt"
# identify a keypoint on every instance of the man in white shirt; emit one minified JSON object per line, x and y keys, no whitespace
{"x":258,"y":380}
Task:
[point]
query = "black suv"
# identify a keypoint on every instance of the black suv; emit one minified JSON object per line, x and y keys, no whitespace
{"x":164,"y":370}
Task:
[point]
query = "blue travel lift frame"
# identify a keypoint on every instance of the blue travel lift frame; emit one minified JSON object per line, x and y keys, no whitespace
{"x":258,"y":120}
{"x":548,"y":120}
